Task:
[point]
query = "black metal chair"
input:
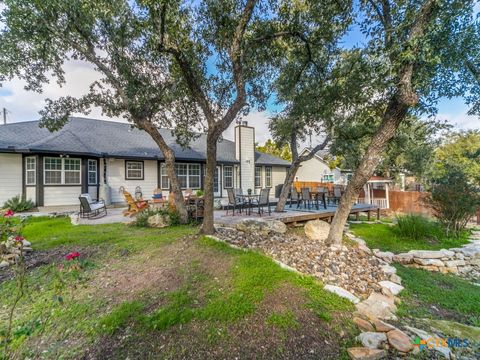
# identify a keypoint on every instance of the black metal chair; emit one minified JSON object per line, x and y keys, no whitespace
{"x":294,"y":197}
{"x":234,"y":201}
{"x":337,"y":194}
{"x":263,"y":201}
{"x":306,"y":198}
{"x":91,"y":209}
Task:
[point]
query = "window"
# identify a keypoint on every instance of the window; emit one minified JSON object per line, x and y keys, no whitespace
{"x":62,"y":171}
{"x":268,"y":176}
{"x":258,"y":176}
{"x":134,"y":170}
{"x":228,"y":177}
{"x":188,"y":176}
{"x":328,"y":178}
{"x":92,"y":172}
{"x":30,"y":170}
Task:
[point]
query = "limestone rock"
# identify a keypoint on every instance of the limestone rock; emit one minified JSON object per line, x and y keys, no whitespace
{"x":429,"y":262}
{"x":381,"y":326}
{"x":342,"y":293}
{"x":384,"y":255}
{"x":4,"y":264}
{"x":372,"y":340}
{"x":378,"y":306}
{"x":159,"y":221}
{"x":396,"y":279}
{"x":363,"y":353}
{"x":317,"y":230}
{"x":261,"y":226}
{"x":454,"y":263}
{"x":399,"y":340}
{"x":405,"y":258}
{"x":391,"y":286}
{"x":363,"y":325}
{"x":389,"y":270}
{"x":431,"y":254}
{"x":26,"y":243}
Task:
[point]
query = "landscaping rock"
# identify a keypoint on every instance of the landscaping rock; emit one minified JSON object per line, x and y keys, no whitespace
{"x":389,"y":270}
{"x":372,"y":340}
{"x":261,"y":226}
{"x":391,"y":286}
{"x":431,"y":254}
{"x":4,"y":264}
{"x":378,"y":306}
{"x":399,"y":340}
{"x":454,"y":263}
{"x":384,"y":255}
{"x":364,"y":353}
{"x":362,"y":324}
{"x":396,"y":279}
{"x":381,"y":326}
{"x":159,"y":221}
{"x":405,"y":258}
{"x":342,"y":293}
{"x":317,"y":230}
{"x":26,"y":243}
{"x":429,"y":262}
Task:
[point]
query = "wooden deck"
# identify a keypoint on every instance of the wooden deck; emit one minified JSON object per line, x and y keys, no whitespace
{"x":294,"y":216}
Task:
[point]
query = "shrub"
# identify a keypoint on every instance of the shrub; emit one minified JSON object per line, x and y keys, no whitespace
{"x":454,"y":199}
{"x":18,"y":204}
{"x":142,"y":218}
{"x":418,"y":227}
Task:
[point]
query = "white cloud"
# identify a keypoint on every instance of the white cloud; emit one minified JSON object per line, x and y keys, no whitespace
{"x":461,"y":121}
{"x":259,"y":120}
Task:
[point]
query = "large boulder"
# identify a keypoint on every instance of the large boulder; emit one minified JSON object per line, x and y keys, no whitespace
{"x":261,"y":226}
{"x":317,"y":230}
{"x":378,"y":306}
{"x":399,"y":340}
{"x":159,"y":221}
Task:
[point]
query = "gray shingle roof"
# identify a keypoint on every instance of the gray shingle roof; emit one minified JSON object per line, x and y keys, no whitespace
{"x":113,"y":139}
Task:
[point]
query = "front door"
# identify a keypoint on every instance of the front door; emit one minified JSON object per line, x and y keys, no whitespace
{"x":217,"y":183}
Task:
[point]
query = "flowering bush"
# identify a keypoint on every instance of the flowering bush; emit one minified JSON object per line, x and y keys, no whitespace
{"x":72,"y":256}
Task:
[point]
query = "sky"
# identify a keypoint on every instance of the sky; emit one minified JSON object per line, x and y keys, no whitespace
{"x":23,"y":105}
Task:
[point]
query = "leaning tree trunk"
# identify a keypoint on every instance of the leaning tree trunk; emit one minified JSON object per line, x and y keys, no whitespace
{"x":282,"y":200}
{"x":169,"y":156}
{"x":395,"y":113}
{"x":208,"y":219}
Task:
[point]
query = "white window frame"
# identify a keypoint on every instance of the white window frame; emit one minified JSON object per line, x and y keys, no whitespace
{"x":165,"y":180}
{"x":142,"y":170}
{"x":328,"y":181}
{"x":226,"y":176}
{"x":31,"y":170}
{"x":268,"y":176}
{"x":95,"y":171}
{"x":258,"y":177}
{"x":62,"y":171}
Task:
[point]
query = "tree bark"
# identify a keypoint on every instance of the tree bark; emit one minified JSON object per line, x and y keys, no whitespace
{"x":208,"y":215}
{"x":169,"y":156}
{"x":395,"y":113}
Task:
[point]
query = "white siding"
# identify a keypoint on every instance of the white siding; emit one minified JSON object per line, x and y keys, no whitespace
{"x":61,"y":195}
{"x":245,"y":138}
{"x":314,"y":169}
{"x":10,"y":176}
{"x":278,"y":176}
{"x":92,"y":190}
{"x":31,"y":193}
{"x":116,"y":179}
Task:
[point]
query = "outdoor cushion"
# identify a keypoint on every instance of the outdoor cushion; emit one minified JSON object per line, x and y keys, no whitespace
{"x":96,"y":206}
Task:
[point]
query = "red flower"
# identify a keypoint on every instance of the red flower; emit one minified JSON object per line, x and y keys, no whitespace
{"x":72,"y":256}
{"x":19,"y":238}
{"x":9,"y":213}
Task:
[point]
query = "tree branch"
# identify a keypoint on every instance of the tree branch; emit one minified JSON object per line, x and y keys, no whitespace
{"x":316,"y":149}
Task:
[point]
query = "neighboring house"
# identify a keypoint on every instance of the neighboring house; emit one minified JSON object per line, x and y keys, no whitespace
{"x":317,"y":170}
{"x":54,"y":168}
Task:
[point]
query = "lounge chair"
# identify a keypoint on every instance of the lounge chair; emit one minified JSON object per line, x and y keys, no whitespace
{"x":91,"y":209}
{"x":134,"y":206}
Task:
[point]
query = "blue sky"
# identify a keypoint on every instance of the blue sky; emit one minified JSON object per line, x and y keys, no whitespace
{"x":24,"y":106}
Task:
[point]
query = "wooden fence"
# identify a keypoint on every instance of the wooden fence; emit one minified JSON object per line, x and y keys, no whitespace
{"x":408,"y":202}
{"x":313,"y":185}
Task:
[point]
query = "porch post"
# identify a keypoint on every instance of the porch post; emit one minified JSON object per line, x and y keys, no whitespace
{"x":386,"y":195}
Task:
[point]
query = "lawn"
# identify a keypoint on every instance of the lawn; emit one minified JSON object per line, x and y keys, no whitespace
{"x":438,"y":296}
{"x":150,"y":293}
{"x":387,"y":238}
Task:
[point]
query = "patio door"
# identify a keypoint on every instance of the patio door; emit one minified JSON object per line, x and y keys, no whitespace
{"x":217,"y":183}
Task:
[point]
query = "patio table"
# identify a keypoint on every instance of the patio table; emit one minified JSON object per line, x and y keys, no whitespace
{"x":248,"y":201}
{"x":316,"y":195}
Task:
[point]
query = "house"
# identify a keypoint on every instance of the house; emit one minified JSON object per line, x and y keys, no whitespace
{"x":317,"y":169}
{"x":100,"y":157}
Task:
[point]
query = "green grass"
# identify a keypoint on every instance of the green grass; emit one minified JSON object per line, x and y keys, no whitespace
{"x":284,"y":320}
{"x":387,"y":238}
{"x":60,"y":306}
{"x":46,"y":233}
{"x":453,"y":297}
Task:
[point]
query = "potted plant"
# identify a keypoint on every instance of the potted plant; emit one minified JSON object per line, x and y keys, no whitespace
{"x":249,"y":192}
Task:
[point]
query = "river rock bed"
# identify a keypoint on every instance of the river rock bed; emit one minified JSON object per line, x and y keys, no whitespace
{"x":351,"y":268}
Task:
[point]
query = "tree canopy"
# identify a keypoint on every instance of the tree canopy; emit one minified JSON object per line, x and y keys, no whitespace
{"x":271,"y":147}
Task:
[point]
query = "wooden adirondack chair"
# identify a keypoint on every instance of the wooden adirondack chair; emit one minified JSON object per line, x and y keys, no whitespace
{"x":134,"y":206}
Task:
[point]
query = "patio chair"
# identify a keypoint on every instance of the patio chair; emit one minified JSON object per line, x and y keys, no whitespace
{"x":263,"y":201}
{"x":294,"y":196}
{"x":91,"y":209}
{"x":337,"y":194}
{"x":306,"y":198}
{"x":134,"y":206}
{"x":234,"y":201}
